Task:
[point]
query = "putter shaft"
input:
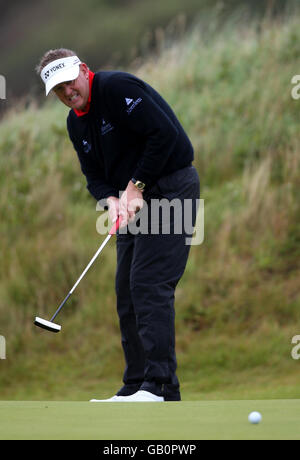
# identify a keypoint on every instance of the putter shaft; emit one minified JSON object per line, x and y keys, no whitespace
{"x":82,"y":275}
{"x":42,"y":323}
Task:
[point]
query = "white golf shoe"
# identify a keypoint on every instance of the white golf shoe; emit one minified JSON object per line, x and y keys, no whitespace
{"x":139,"y":396}
{"x":112,"y":399}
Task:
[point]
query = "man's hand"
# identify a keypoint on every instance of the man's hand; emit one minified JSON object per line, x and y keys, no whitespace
{"x":130,"y":202}
{"x":113,"y":208}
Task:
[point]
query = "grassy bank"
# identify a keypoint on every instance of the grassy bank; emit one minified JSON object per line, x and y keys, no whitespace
{"x":238,"y":302}
{"x":103,"y":32}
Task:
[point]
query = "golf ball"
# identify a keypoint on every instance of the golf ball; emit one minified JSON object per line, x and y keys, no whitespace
{"x":254,"y":417}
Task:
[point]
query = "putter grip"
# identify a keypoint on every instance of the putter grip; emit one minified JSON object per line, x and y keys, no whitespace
{"x":115,"y":226}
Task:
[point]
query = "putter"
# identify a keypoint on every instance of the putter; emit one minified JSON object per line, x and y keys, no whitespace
{"x":50,"y":325}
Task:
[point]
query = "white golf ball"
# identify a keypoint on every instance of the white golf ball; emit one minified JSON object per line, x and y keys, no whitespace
{"x":254,"y":417}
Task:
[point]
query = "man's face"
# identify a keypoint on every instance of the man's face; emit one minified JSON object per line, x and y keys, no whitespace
{"x":75,"y":93}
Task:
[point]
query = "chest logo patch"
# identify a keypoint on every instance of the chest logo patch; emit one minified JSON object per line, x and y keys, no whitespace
{"x":106,"y":127}
{"x":132,"y":104}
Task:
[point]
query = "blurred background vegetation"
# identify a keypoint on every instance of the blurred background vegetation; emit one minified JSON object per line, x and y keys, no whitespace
{"x":226,"y":69}
{"x":103,"y":32}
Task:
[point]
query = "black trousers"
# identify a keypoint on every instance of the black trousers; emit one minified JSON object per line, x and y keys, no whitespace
{"x":149,"y":266}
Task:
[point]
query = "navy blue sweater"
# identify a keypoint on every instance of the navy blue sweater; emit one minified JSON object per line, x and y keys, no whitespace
{"x":129,"y":131}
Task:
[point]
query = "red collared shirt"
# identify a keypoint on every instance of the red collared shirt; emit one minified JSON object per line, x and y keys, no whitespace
{"x":79,"y":113}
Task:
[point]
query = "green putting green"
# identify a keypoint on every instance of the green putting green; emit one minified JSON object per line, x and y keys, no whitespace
{"x":156,"y":421}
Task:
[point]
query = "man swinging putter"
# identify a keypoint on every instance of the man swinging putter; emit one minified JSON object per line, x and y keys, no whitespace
{"x":127,"y":138}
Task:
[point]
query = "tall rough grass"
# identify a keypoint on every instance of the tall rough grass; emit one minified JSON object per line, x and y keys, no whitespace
{"x":238,"y":302}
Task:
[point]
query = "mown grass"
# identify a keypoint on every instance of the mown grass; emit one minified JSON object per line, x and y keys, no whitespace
{"x":226,"y":420}
{"x":238,"y":302}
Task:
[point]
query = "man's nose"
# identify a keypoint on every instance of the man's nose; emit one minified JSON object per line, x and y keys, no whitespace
{"x":67,"y":89}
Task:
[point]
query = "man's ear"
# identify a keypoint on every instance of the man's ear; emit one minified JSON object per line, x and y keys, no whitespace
{"x":85,"y":69}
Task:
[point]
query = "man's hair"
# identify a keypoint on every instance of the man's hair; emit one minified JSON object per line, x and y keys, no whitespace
{"x":52,"y":55}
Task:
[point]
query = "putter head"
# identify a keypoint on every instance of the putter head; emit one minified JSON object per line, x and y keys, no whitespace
{"x":48,"y":325}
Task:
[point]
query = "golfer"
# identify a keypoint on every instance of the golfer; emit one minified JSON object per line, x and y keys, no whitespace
{"x":133,"y":152}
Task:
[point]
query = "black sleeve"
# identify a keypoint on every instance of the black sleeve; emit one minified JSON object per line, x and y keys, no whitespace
{"x":96,"y":183}
{"x":133,"y":106}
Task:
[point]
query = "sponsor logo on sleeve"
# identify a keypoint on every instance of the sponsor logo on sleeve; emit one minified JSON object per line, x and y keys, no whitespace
{"x":86,"y":146}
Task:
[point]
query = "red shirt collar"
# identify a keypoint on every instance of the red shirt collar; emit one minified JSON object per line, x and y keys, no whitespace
{"x":79,"y":113}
